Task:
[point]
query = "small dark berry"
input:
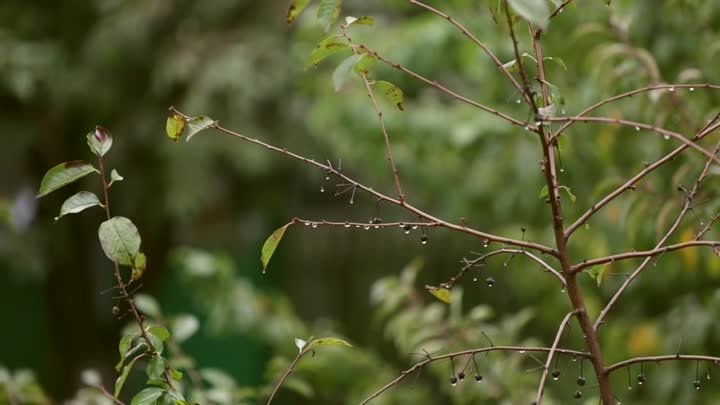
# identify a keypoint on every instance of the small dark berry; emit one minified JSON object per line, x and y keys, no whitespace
{"x":490,"y":281}
{"x":116,"y":310}
{"x":423,"y":239}
{"x":461,"y":376}
{"x":377,"y":221}
{"x":641,"y":379}
{"x":555,"y":374}
{"x":578,"y":394}
{"x":453,"y":380}
{"x":581,"y":381}
{"x":696,"y":384}
{"x":407,"y":228}
{"x":478,"y":377}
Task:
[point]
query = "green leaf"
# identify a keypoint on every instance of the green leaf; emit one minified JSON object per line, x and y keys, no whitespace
{"x":569,"y":193}
{"x":184,"y":326}
{"x":147,"y":305}
{"x":271,"y":244}
{"x":443,"y":294}
{"x":138,"y":267}
{"x":543,"y":192}
{"x":175,"y":126}
{"x":392,"y":91}
{"x":160,"y":332}
{"x":197,"y":124}
{"x":148,"y":396}
{"x":328,"y":12}
{"x":156,"y":367}
{"x":558,"y":61}
{"x":123,"y":376}
{"x":125,"y":343}
{"x":343,"y":69}
{"x":300,"y":344}
{"x":176,"y":375}
{"x":64,"y":174}
{"x":296,"y":8}
{"x":328,"y":341}
{"x":100,"y":141}
{"x":120,"y":240}
{"x":136,"y":350}
{"x":115,"y":176}
{"x":533,"y":11}
{"x":77,"y":203}
{"x":349,"y":20}
{"x":327,"y":47}
{"x":365,"y":63}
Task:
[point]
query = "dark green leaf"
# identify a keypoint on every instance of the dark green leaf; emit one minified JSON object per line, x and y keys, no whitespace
{"x":328,"y":12}
{"x":271,"y":244}
{"x":64,"y":174}
{"x":155,"y":367}
{"x":175,"y":126}
{"x":197,"y":124}
{"x":120,"y":240}
{"x":343,"y":69}
{"x":123,"y":376}
{"x":392,"y":91}
{"x":77,"y":203}
{"x":148,"y":396}
{"x":533,"y":11}
{"x":100,"y":141}
{"x":327,"y":47}
{"x":296,"y":8}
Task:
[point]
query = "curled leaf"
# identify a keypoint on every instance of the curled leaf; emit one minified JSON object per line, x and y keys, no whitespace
{"x":441,"y":293}
{"x":328,"y":12}
{"x":77,"y":203}
{"x":295,"y":8}
{"x":349,"y":20}
{"x":115,"y":176}
{"x":175,"y":126}
{"x":138,"y":267}
{"x":327,"y":341}
{"x":271,"y":244}
{"x":64,"y":174}
{"x":100,"y":141}
{"x":393,"y":92}
{"x":197,"y":124}
{"x":300,"y":344}
{"x":327,"y":47}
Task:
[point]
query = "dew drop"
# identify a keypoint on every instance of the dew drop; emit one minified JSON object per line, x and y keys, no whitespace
{"x":424,"y":240}
{"x":561,"y":10}
{"x":401,"y":225}
{"x":692,"y":88}
{"x":407,"y":232}
{"x":327,"y":177}
{"x":314,"y":225}
{"x":637,"y":128}
{"x":474,"y":278}
{"x":555,"y":374}
{"x":527,"y":128}
{"x":562,"y":170}
{"x":414,"y":227}
{"x":666,"y":136}
{"x":347,"y":225}
{"x":521,"y":351}
{"x":518,"y":101}
{"x":671,"y":89}
{"x":307,"y":223}
{"x":322,"y":189}
{"x":490,"y":281}
{"x":366,"y":227}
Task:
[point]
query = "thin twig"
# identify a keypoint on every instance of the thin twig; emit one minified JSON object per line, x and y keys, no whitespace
{"x":559,"y":9}
{"x":558,"y":335}
{"x":105,"y":392}
{"x":660,"y":359}
{"x":427,"y":361}
{"x":287,"y":373}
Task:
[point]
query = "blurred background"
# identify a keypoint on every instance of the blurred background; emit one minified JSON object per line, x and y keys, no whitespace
{"x":204,"y":208}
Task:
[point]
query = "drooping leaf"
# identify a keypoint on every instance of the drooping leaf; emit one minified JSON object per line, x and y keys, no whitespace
{"x":271,"y":244}
{"x":100,"y":141}
{"x":365,"y":63}
{"x":366,"y":20}
{"x":115,"y":176}
{"x":120,"y":381}
{"x":558,"y":61}
{"x":533,"y":11}
{"x":120,"y":240}
{"x":441,"y":293}
{"x":327,"y":47}
{"x":197,"y":124}
{"x":296,"y":8}
{"x":393,"y":92}
{"x":64,"y":174}
{"x":569,"y":193}
{"x":147,"y":305}
{"x":184,"y":326}
{"x":328,"y":12}
{"x":176,"y":375}
{"x":300,"y":344}
{"x":175,"y":126}
{"x":327,"y":341}
{"x":138,"y":267}
{"x":124,"y":345}
{"x":543,"y":192}
{"x":147,"y":396}
{"x":78,"y":203}
{"x":343,"y":69}
{"x":155,"y":367}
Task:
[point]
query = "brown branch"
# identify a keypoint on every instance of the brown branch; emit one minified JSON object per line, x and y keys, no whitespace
{"x":685,"y":208}
{"x":287,"y":373}
{"x":366,"y":225}
{"x":630,"y":183}
{"x":646,"y":253}
{"x":440,"y":87}
{"x":472,"y":38}
{"x":631,"y":93}
{"x":527,"y":93}
{"x":638,"y":125}
{"x":546,"y":367}
{"x":105,"y":392}
{"x":417,"y":366}
{"x":660,"y":359}
{"x":472,"y":263}
{"x":463,"y":228}
{"x":707,"y":227}
{"x":381,"y":120}
{"x":559,"y":9}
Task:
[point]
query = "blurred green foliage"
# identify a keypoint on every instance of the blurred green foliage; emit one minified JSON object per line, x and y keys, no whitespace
{"x":67,"y":66}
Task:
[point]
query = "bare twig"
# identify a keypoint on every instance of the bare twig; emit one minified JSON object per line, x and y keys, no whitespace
{"x":559,"y":9}
{"x":546,"y":367}
{"x":287,"y":373}
{"x":660,"y":359}
{"x":418,"y":366}
{"x":105,"y":392}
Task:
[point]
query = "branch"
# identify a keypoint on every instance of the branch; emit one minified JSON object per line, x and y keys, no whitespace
{"x":287,"y":373}
{"x":647,"y":253}
{"x":105,"y":392}
{"x":381,"y":120}
{"x":472,"y":263}
{"x":631,"y":93}
{"x":660,"y":359}
{"x":518,"y":59}
{"x":686,"y":207}
{"x":474,"y":39}
{"x":429,"y":360}
{"x":638,"y":125}
{"x":559,"y":9}
{"x":546,"y":367}
{"x":440,"y":87}
{"x":380,"y":196}
{"x":711,"y":127}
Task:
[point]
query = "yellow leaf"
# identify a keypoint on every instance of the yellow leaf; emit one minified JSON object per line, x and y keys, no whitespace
{"x":443,"y":294}
{"x":175,"y":126}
